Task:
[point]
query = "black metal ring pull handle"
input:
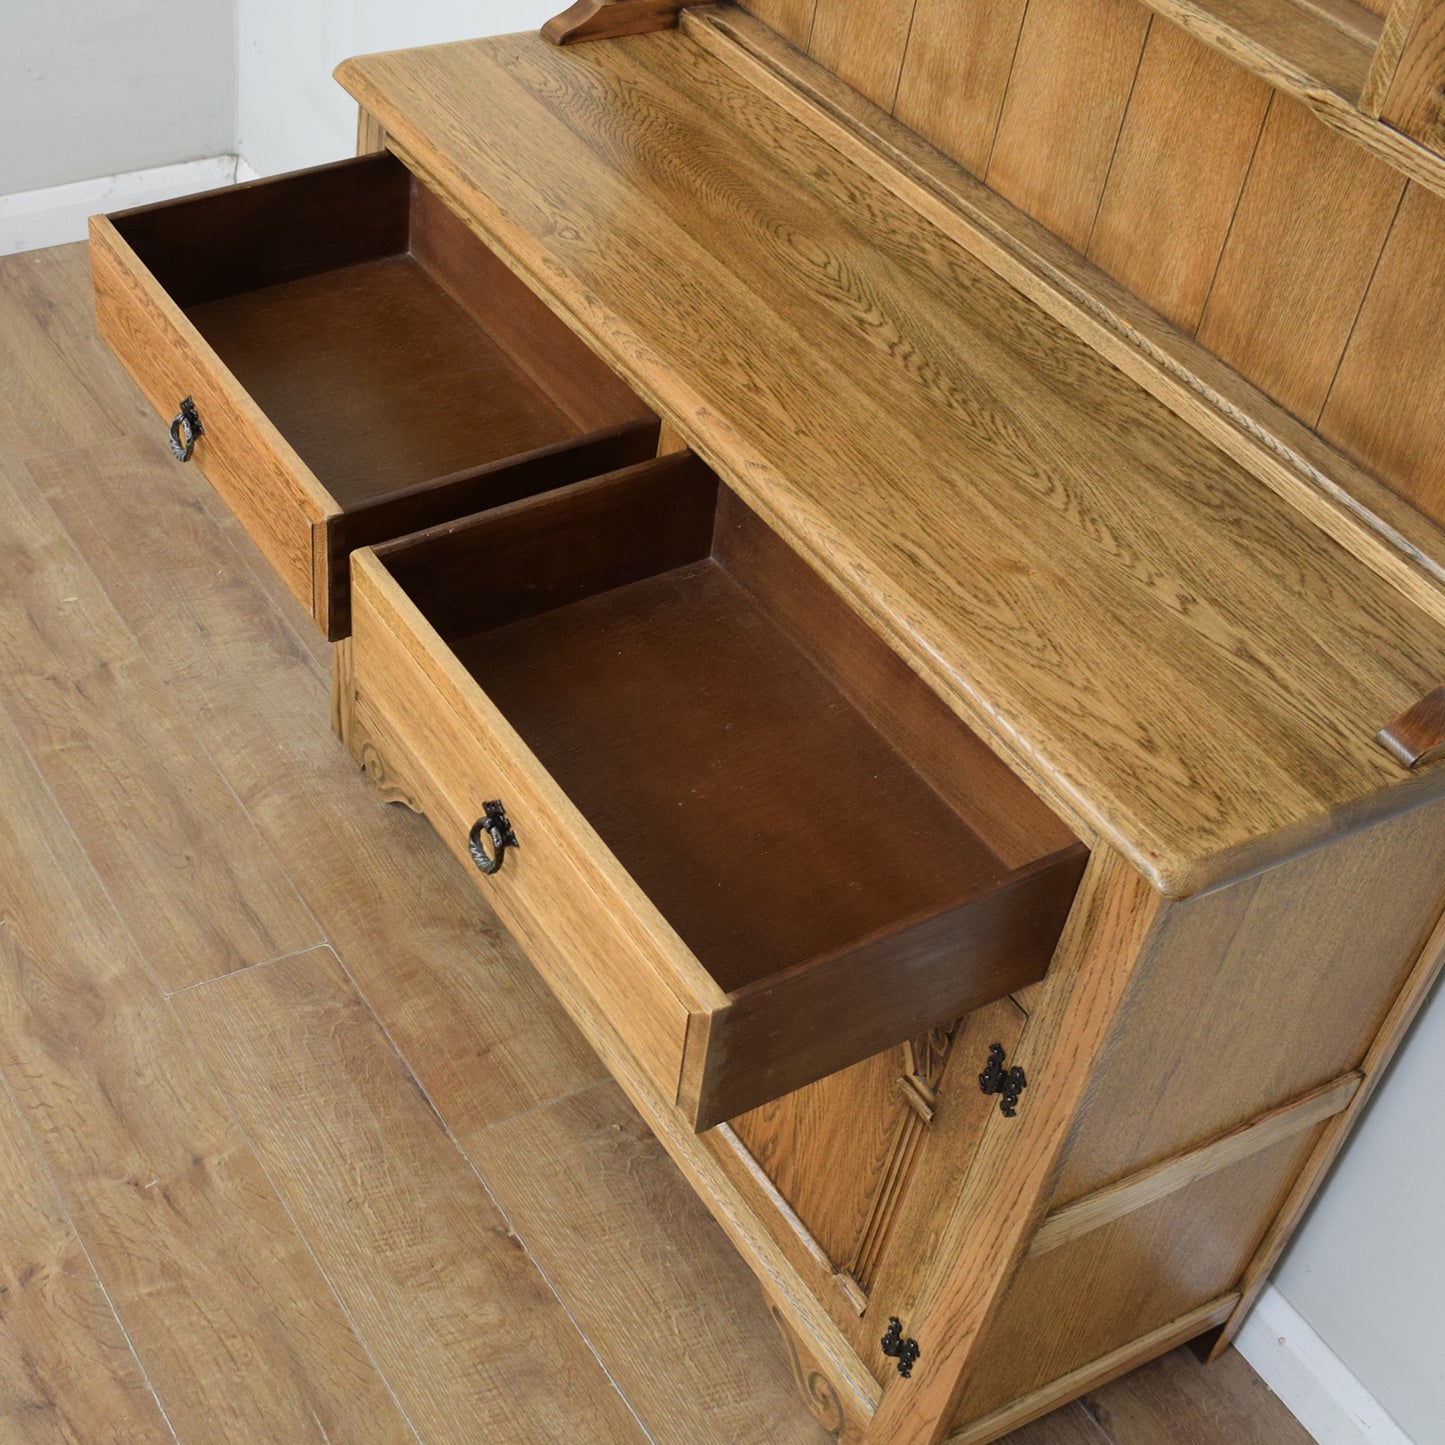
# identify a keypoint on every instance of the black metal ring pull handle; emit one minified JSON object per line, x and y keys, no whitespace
{"x":492,"y":824}
{"x":184,"y":431}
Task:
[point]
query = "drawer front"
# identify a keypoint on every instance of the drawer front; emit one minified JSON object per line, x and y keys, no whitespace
{"x":579,"y":925}
{"x":256,"y":472}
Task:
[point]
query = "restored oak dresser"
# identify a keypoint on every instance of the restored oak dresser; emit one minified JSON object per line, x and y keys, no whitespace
{"x":906,"y":658}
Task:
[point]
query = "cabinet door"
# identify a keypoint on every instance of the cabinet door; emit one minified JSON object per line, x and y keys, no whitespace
{"x":852,"y":1174}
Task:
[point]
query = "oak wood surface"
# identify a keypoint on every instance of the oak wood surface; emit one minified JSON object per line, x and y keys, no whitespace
{"x":986,"y":1228}
{"x":1274,"y":1008}
{"x":467,"y":1333}
{"x":863,"y":45}
{"x":1413,"y":102}
{"x":1295,"y":267}
{"x":1142,"y":1189}
{"x":197,"y":885}
{"x":919,"y":573}
{"x":1384,"y":404}
{"x":956,"y":73}
{"x":1337,"y":494}
{"x":607,"y":19}
{"x":1068,"y":90}
{"x":1184,"y":148}
{"x":1210,"y":1230}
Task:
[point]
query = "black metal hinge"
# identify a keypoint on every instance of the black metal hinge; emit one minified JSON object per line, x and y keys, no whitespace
{"x":1007,"y":1083}
{"x":906,"y":1352}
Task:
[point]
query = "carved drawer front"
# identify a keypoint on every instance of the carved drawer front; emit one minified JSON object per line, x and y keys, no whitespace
{"x":746,"y":835}
{"x":347,"y":362}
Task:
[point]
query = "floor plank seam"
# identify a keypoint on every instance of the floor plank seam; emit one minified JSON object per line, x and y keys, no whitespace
{"x":182,"y":716}
{"x":491,"y":1194}
{"x":324,"y":942}
{"x":85,"y":1250}
{"x":538,"y":1107}
{"x":290,"y":1216}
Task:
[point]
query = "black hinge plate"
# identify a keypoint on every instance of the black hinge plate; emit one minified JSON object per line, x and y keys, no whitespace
{"x":1008,"y":1084}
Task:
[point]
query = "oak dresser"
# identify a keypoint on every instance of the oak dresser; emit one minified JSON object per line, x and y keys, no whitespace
{"x":939,"y":677}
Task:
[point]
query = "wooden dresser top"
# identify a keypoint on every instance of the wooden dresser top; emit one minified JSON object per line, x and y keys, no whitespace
{"x":1180,"y":662}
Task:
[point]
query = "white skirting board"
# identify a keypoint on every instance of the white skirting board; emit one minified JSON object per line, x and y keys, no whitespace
{"x":49,"y":217}
{"x":1312,"y":1381}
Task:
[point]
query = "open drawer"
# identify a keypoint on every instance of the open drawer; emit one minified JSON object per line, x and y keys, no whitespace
{"x":747,"y":836}
{"x":360,"y":364}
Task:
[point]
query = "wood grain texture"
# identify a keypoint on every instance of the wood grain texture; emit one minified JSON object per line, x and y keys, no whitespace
{"x":1187,"y":139}
{"x":243,"y":456}
{"x":67,"y":1372}
{"x":1140,"y":1190}
{"x":1350,"y":504}
{"x":1403,"y":1011}
{"x":991,"y":1219}
{"x":196,"y":884}
{"x":985,"y":543}
{"x":1415,"y":100}
{"x":607,"y":19}
{"x":955,"y":74}
{"x":1384,"y":404}
{"x":1296,"y":265}
{"x":429,"y":956}
{"x":792,"y":19}
{"x":190,"y":1242}
{"x":863,"y":43}
{"x":1100,"y":1374}
{"x":611,"y":1222}
{"x":1096,"y":1294}
{"x":1265,"y":978}
{"x":468,"y":1334}
{"x":1071,"y":80}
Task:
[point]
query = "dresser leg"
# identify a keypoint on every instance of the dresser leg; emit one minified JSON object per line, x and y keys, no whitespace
{"x":343,"y":693}
{"x":817,"y":1391}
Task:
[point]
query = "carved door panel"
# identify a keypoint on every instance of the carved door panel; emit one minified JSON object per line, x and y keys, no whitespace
{"x":848,"y":1152}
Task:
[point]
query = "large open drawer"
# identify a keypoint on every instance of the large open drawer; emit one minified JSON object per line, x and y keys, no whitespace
{"x":361,"y":365}
{"x":747,"y":835}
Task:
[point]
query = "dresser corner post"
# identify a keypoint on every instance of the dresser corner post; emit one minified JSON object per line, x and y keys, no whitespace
{"x":370,"y":133}
{"x":988,"y":1230}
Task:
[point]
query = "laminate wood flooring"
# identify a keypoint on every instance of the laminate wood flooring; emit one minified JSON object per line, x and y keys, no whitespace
{"x":294,"y":1145}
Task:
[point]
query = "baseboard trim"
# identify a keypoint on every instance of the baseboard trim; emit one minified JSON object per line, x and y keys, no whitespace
{"x":56,"y":214}
{"x":1311,"y":1380}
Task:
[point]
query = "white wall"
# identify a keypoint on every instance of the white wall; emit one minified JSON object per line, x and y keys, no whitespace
{"x":1367,"y":1272}
{"x":97,"y":87}
{"x":291,"y":111}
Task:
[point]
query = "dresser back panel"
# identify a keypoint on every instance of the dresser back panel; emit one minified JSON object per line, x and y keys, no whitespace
{"x":1308,"y":265}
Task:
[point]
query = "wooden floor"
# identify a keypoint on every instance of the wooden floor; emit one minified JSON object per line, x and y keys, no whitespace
{"x":294,"y":1147}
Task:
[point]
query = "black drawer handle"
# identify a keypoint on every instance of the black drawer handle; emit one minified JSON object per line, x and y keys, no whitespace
{"x":184,"y":431}
{"x":492,"y":824}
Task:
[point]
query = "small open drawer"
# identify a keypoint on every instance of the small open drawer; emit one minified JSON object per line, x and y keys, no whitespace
{"x":360,"y":363}
{"x":748,"y":837}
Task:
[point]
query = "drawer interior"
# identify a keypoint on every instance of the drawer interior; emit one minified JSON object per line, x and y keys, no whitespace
{"x":780,"y":785}
{"x":386,"y":342}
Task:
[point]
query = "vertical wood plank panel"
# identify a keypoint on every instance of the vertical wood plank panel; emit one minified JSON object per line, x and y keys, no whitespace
{"x":1387,"y":406}
{"x":862,"y":42}
{"x":955,"y":72}
{"x":1306,"y":237}
{"x":792,"y":19}
{"x":1183,"y":153}
{"x":1071,"y":81}
{"x":1415,"y":101}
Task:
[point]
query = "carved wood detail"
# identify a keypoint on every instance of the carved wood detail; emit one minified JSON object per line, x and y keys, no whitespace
{"x":813,"y":1385}
{"x":607,"y":19}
